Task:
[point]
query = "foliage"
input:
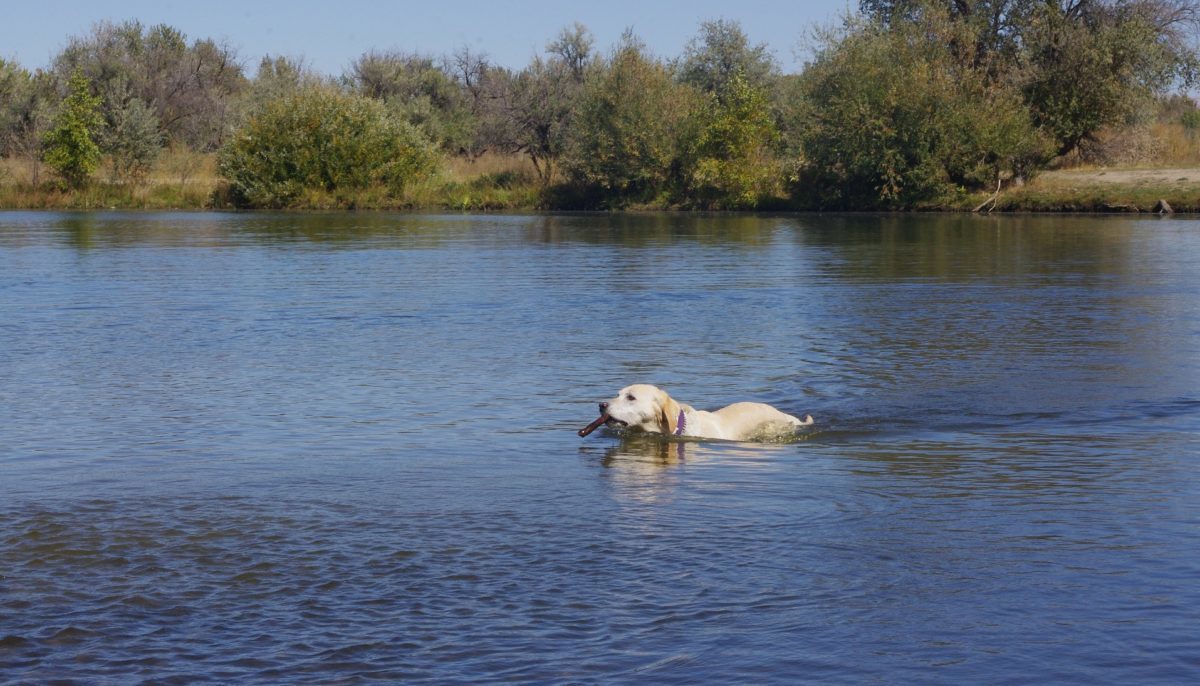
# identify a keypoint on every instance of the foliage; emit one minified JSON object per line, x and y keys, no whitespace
{"x":25,"y":114}
{"x":533,"y":109}
{"x":1087,"y":75}
{"x":624,"y":137}
{"x":573,"y":49}
{"x":422,"y":91}
{"x":70,"y":145}
{"x":1081,"y":65}
{"x":730,"y":164}
{"x":13,"y":83}
{"x":322,"y":139}
{"x":536,"y":105}
{"x":479,"y":82}
{"x":910,"y":103}
{"x":131,"y":138}
{"x":190,"y":88}
{"x":892,"y":117}
{"x":277,"y":76}
{"x":721,"y":53}
{"x":730,"y":158}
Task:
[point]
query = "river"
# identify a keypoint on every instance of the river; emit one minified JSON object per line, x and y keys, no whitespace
{"x":337,"y":448}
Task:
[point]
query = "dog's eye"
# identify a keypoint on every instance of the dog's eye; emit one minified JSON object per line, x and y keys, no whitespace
{"x":629,"y":397}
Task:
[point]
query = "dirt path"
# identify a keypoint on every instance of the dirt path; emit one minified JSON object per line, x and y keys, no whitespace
{"x":1080,"y":177}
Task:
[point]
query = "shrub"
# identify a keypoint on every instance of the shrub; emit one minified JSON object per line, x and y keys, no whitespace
{"x":321,"y":139}
{"x":626,"y":130}
{"x":891,"y":118}
{"x":132,"y":140}
{"x":729,"y":164}
{"x":1190,"y":120}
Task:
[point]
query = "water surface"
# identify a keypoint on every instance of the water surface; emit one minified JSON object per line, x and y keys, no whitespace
{"x":275,"y":448}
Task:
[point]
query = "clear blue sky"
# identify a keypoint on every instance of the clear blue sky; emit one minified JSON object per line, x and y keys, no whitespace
{"x":330,"y":34}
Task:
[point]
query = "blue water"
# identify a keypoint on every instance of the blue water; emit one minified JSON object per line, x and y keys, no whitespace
{"x":340,"y":448}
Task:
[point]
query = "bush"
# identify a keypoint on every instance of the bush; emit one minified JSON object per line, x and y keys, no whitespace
{"x":132,"y":140}
{"x":891,"y":118}
{"x":729,"y":163}
{"x":626,"y":130}
{"x":1190,"y":120}
{"x":323,"y":140}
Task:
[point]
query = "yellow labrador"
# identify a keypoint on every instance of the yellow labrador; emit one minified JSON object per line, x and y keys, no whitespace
{"x":649,"y":408}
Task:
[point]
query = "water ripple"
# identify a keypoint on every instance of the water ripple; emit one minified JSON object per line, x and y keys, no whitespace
{"x":340,"y":448}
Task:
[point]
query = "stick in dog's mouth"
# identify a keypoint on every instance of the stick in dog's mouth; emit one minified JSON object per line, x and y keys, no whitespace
{"x":593,"y":426}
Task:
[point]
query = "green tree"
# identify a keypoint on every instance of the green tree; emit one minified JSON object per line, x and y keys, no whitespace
{"x":480,"y":84}
{"x":730,"y":164}
{"x":1080,"y":65}
{"x":1105,"y":71}
{"x":277,"y":76}
{"x":538,"y":104}
{"x":13,"y":80}
{"x":626,"y":131}
{"x":573,"y":49}
{"x":731,"y":159}
{"x":892,"y":118}
{"x":70,"y":145}
{"x":319,"y":138}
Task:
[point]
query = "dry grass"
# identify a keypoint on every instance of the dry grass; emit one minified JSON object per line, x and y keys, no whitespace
{"x":461,"y":169}
{"x":14,"y":171}
{"x":1179,"y":146}
{"x":184,"y":179}
{"x":491,"y":182}
{"x":1150,"y":146}
{"x":179,"y":180}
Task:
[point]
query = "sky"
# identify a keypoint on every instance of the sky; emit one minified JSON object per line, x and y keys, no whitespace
{"x":329,"y":35}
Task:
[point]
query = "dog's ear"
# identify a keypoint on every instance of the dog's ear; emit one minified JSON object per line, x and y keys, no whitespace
{"x":668,"y":413}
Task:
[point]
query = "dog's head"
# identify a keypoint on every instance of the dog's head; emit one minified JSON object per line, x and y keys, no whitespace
{"x":643,"y":406}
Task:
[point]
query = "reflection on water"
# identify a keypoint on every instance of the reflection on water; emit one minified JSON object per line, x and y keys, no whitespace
{"x":298,"y":448}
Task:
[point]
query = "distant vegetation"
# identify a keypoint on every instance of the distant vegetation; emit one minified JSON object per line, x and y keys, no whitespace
{"x":321,"y":139}
{"x":904,"y":104}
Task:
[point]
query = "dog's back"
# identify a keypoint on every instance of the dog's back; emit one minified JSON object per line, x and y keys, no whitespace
{"x":741,"y":420}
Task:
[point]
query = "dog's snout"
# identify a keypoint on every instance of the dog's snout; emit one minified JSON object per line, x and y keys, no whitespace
{"x":603,"y":407}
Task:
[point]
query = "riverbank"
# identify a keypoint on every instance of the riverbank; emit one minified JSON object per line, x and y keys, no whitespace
{"x":1106,"y":190}
{"x":187,"y":181}
{"x":495,"y":183}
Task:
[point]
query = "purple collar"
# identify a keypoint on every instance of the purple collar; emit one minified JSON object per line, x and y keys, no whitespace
{"x":680,"y":424}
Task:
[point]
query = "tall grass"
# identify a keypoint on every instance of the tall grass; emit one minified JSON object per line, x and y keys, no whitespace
{"x":1179,"y":144}
{"x":182,"y":179}
{"x":490,"y":182}
{"x":179,"y":180}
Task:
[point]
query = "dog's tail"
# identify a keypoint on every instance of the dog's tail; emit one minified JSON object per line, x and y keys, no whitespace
{"x":807,"y":421}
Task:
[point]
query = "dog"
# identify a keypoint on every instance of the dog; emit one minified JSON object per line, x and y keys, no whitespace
{"x":649,"y":408}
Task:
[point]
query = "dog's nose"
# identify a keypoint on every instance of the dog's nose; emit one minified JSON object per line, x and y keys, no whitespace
{"x":603,"y":408}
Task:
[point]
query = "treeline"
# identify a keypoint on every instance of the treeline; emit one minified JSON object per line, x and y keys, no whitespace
{"x":904,"y":103}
